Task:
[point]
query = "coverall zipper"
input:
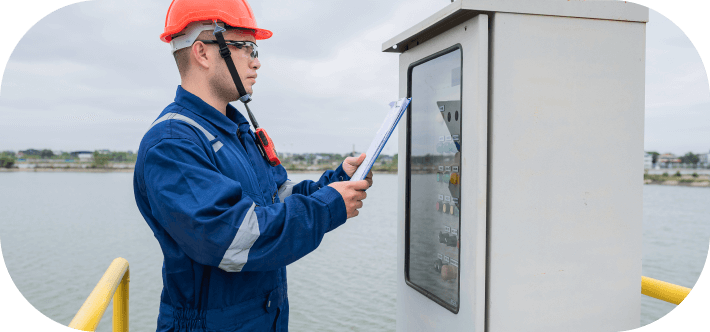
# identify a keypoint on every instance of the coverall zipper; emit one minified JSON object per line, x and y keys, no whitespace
{"x":254,"y":182}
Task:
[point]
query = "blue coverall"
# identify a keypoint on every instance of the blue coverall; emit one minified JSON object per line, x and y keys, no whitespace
{"x":227,"y":222}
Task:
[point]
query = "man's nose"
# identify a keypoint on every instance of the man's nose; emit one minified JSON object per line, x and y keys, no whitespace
{"x":255,"y":63}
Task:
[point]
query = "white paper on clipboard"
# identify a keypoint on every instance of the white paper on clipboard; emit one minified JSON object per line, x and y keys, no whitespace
{"x":397,"y":108}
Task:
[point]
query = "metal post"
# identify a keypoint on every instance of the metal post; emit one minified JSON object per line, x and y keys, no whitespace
{"x":90,"y":313}
{"x":120,"y":305}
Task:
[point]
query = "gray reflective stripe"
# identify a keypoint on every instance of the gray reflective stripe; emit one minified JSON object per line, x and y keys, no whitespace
{"x":215,"y":146}
{"x":286,"y":190}
{"x":238,"y":252}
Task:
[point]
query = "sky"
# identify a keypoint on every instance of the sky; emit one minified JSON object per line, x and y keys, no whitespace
{"x":94,"y":75}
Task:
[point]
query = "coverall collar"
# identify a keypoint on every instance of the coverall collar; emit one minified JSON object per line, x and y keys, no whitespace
{"x":230,"y":123}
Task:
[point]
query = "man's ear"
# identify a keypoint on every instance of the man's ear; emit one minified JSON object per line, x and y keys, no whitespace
{"x":200,"y":56}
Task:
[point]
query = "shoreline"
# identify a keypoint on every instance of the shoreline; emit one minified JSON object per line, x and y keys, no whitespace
{"x":67,"y":170}
{"x":127,"y":170}
{"x":678,"y":183}
{"x":696,"y":184}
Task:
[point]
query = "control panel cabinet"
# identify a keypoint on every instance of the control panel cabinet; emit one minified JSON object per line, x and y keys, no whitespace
{"x":443,"y":234}
{"x":507,"y":219}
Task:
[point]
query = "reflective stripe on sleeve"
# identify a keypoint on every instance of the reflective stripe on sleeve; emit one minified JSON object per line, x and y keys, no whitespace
{"x":215,"y":146}
{"x":286,"y":190}
{"x":238,"y":252}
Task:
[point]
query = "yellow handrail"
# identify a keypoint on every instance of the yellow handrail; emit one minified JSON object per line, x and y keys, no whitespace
{"x":663,"y":290}
{"x":115,"y":280}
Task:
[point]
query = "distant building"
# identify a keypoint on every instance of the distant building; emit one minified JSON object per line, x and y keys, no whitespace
{"x":647,"y":161}
{"x":704,"y":159}
{"x":77,"y":153}
{"x":85,"y":157}
{"x":668,"y":160}
{"x":385,"y":158}
{"x":30,"y":152}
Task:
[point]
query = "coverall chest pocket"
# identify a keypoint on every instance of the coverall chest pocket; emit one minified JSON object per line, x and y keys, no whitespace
{"x":232,"y":163}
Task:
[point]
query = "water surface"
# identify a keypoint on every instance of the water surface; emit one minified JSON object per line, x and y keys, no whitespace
{"x":60,"y":231}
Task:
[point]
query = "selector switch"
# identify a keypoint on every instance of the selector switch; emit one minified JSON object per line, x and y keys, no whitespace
{"x":443,"y":237}
{"x":438,"y":264}
{"x":452,"y":241}
{"x":448,"y":239}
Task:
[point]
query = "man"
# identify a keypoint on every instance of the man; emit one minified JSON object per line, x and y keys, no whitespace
{"x":227,"y":221}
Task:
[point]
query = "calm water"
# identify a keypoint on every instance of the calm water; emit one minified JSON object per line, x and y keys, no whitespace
{"x":60,"y":231}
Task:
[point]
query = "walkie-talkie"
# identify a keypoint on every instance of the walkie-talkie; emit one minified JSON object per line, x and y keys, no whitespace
{"x":263,"y":141}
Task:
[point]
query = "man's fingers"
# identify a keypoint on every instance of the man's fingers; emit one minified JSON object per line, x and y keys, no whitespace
{"x":360,"y":195}
{"x":360,"y":159}
{"x":360,"y":185}
{"x":353,"y":192}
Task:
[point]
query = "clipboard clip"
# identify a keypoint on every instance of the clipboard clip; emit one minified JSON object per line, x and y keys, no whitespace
{"x":396,"y":103}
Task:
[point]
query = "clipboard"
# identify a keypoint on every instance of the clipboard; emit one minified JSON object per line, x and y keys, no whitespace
{"x":397,"y":108}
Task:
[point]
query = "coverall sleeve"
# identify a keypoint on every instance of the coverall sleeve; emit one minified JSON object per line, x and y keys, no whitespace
{"x":307,"y":187}
{"x":215,"y":223}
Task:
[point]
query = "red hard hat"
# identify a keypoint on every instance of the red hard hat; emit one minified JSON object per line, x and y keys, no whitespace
{"x":235,"y":13}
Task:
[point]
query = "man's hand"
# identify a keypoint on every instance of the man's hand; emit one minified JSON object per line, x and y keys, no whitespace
{"x":353,"y":193}
{"x":350,"y":165}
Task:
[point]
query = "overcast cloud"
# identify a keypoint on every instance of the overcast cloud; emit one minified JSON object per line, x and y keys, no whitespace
{"x":94,"y":75}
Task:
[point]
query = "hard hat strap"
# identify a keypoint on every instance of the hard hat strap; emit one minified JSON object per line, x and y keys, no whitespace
{"x":227,"y":56}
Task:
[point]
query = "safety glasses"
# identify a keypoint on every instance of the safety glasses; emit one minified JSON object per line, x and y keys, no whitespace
{"x":251,"y":47}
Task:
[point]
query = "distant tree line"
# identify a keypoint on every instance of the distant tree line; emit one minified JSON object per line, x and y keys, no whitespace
{"x":323,"y":161}
{"x":7,"y":159}
{"x":688,"y":158}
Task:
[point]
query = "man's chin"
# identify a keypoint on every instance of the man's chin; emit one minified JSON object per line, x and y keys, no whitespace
{"x":236,"y":96}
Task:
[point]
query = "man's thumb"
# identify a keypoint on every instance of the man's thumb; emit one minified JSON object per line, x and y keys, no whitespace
{"x":361,"y":159}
